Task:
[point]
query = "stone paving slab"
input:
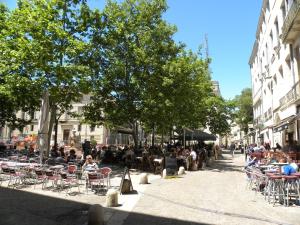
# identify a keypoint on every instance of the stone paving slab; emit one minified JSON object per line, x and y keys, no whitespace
{"x":217,"y":195}
{"x":29,"y":206}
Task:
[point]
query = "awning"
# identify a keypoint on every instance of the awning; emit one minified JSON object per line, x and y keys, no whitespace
{"x":197,"y":135}
{"x":284,"y":124}
{"x":122,"y":130}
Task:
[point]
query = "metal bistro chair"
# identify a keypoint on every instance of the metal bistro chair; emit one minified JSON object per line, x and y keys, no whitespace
{"x":106,"y":172}
{"x":68,"y":181}
{"x":5,"y":173}
{"x":51,"y":176}
{"x":40,"y":176}
{"x":16,"y":177}
{"x":94,"y":180}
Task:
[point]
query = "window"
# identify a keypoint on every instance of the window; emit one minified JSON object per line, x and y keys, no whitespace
{"x":267,"y":54}
{"x":79,"y":109}
{"x":277,"y":29}
{"x":79,"y":127}
{"x":271,"y":39}
{"x":22,"y":115}
{"x":289,"y":3}
{"x":92,"y":137}
{"x":268,"y":6}
{"x":31,"y":127}
{"x":281,"y":71}
{"x":275,"y":79}
{"x":298,"y":109}
{"x":288,"y":62}
{"x":283,"y":10}
{"x":92,"y":128}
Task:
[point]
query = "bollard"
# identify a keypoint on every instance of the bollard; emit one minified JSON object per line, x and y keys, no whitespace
{"x":112,"y":198}
{"x":164,"y":173}
{"x":181,"y":170}
{"x":144,"y":178}
{"x":96,"y":216}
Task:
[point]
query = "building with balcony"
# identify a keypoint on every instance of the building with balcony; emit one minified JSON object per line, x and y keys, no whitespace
{"x":275,"y":71}
{"x":70,"y":127}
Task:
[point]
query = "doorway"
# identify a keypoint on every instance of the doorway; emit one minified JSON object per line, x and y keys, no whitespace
{"x":66,"y":136}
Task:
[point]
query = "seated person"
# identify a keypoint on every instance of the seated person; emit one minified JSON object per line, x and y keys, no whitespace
{"x":62,"y":152}
{"x":251,"y":161}
{"x":89,"y":165}
{"x":289,"y":169}
{"x":59,"y":160}
{"x":30,"y":151}
{"x":72,"y":156}
{"x":54,"y":153}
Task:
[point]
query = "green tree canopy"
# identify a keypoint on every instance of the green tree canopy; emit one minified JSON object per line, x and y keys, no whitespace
{"x":138,"y":44}
{"x":244,"y":114}
{"x":42,"y":46}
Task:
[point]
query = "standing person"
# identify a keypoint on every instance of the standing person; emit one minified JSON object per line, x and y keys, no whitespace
{"x":86,"y":147}
{"x":194,"y":158}
{"x":232,"y":148}
{"x":215,"y":150}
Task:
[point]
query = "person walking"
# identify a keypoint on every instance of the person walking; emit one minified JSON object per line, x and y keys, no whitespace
{"x":232,"y":148}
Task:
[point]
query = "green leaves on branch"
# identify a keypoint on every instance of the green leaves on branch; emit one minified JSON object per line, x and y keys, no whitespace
{"x":244,"y":114}
{"x":124,"y":56}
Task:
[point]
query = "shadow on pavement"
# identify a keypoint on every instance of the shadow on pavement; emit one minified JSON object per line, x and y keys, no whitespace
{"x":226,"y":166}
{"x":21,"y":207}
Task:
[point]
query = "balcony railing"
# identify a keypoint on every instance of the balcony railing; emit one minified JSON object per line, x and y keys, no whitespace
{"x":289,"y":20}
{"x":292,"y":95}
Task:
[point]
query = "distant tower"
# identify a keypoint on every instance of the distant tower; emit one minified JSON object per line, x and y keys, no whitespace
{"x":216,"y":88}
{"x":206,"y":47}
{"x":207,"y":53}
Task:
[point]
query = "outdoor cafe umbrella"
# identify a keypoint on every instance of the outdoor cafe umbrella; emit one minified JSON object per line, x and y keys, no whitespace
{"x":43,"y":126}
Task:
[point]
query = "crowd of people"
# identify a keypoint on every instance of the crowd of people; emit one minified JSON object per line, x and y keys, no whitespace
{"x":192,"y":157}
{"x":263,"y":154}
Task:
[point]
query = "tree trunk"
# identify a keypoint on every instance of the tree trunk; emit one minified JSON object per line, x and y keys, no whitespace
{"x":184,"y":138}
{"x":153,"y":136}
{"x":135,"y":135}
{"x":51,"y":123}
{"x":55,"y":131}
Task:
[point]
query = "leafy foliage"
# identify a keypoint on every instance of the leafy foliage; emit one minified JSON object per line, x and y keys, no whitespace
{"x":125,"y":57}
{"x":244,"y":114}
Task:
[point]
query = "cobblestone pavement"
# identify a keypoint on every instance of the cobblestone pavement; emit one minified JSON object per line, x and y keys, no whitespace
{"x":217,"y":195}
{"x":27,"y":205}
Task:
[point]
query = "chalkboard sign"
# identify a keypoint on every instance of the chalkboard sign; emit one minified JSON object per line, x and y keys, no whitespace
{"x":171,"y":166}
{"x":126,"y":184}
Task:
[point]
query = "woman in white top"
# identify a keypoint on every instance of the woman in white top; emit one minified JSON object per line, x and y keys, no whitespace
{"x":89,"y":165}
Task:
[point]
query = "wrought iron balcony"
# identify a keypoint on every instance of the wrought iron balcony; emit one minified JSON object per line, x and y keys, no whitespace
{"x":291,"y":96}
{"x":291,"y":25}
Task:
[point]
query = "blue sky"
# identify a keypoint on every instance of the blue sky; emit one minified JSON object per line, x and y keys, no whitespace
{"x":230,"y":26}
